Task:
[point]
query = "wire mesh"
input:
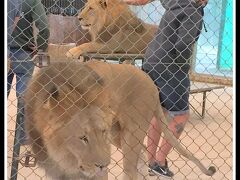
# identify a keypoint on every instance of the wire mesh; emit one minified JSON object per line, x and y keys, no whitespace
{"x":64,"y":27}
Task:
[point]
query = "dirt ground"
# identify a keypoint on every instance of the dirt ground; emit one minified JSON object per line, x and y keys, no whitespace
{"x":210,"y":139}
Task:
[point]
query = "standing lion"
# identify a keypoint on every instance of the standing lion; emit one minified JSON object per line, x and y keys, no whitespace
{"x":113,"y":29}
{"x":74,"y":111}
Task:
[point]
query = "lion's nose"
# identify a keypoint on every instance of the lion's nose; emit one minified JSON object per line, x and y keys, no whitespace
{"x":99,"y":166}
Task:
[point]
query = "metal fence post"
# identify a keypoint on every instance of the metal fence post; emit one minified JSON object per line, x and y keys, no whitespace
{"x":17,"y":139}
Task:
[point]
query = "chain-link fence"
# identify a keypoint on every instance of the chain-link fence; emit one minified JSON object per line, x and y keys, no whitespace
{"x":65,"y":119}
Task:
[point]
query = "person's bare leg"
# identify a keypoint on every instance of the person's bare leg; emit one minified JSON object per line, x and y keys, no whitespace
{"x":154,"y":133}
{"x":176,"y":125}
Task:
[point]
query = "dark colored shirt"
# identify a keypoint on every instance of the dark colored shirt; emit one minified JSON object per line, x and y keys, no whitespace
{"x":23,"y":36}
{"x":12,"y":12}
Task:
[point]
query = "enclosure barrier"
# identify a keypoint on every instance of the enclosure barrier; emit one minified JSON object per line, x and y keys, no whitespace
{"x":208,"y":133}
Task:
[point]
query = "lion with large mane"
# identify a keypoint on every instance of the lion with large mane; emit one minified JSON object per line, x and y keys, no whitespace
{"x":114,"y":28}
{"x":75,"y":111}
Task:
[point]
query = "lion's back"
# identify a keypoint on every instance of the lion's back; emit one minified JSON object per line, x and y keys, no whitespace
{"x":122,"y":31}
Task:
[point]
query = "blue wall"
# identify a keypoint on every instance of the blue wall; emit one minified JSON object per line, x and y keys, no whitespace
{"x":225,"y":56}
{"x":214,"y":48}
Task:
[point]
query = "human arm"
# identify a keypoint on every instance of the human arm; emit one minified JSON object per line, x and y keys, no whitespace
{"x":143,"y":2}
{"x":137,"y":2}
{"x":41,"y":22}
{"x":202,"y":2}
{"x":15,"y":22}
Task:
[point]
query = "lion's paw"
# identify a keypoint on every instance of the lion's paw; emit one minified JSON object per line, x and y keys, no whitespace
{"x":73,"y":53}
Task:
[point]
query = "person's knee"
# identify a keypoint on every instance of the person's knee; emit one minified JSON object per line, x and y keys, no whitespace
{"x":179,"y":128}
{"x":155,"y":124}
{"x":178,"y":123}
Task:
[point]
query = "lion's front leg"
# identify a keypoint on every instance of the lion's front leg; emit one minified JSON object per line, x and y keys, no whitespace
{"x":74,"y":52}
{"x":83,"y":48}
{"x":131,"y":148}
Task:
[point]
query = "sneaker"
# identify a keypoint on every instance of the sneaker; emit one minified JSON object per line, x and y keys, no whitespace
{"x":156,"y":169}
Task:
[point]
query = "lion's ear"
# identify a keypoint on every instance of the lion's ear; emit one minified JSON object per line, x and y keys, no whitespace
{"x":103,"y":3}
{"x":53,"y":98}
{"x":54,"y":92}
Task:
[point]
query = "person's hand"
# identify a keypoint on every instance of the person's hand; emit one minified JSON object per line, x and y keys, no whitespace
{"x":202,"y":2}
{"x":33,"y":48}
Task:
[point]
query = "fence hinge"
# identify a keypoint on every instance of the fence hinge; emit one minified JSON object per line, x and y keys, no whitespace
{"x":41,"y":59}
{"x":28,"y":159}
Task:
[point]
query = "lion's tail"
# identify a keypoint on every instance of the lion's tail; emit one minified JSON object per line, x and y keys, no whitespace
{"x":174,"y":142}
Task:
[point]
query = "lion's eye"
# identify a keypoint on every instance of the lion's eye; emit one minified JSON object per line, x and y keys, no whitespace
{"x":104,"y":131}
{"x":84,"y":138}
{"x":90,"y":8}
